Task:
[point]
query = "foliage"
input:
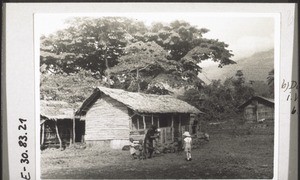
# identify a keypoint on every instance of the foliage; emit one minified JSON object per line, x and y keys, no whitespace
{"x":157,"y":90}
{"x":270,"y":80}
{"x":70,"y":88}
{"x":144,"y":56}
{"x":261,"y":88}
{"x":185,"y":45}
{"x":242,"y":92}
{"x":93,"y":44}
{"x":123,"y":46}
{"x":220,"y":100}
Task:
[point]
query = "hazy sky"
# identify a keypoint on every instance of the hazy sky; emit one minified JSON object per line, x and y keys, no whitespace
{"x":244,"y":33}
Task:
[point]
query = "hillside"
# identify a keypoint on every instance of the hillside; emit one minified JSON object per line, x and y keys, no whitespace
{"x":255,"y":68}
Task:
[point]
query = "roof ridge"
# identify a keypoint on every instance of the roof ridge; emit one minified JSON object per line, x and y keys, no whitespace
{"x":149,"y":103}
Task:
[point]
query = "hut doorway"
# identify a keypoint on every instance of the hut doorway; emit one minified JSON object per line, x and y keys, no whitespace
{"x":79,"y":130}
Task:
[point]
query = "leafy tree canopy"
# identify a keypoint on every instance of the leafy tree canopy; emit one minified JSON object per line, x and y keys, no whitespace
{"x":129,"y":54}
{"x":92,"y":44}
{"x":70,"y":88}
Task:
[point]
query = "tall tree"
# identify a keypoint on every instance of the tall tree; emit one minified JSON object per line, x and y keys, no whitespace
{"x":185,"y":48}
{"x":132,"y":51}
{"x":72,"y":88}
{"x":88,"y":43}
{"x":270,"y":80}
{"x":242,"y":91}
{"x":144,"y":61}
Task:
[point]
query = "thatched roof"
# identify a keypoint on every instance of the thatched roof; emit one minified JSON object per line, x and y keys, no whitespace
{"x":56,"y":110}
{"x":267,"y":101}
{"x":142,"y":103}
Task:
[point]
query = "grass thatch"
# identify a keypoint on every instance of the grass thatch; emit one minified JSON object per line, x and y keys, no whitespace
{"x":144,"y":103}
{"x":57,"y":109}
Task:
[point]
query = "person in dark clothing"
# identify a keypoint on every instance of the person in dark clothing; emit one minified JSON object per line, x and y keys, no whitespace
{"x":149,"y":138}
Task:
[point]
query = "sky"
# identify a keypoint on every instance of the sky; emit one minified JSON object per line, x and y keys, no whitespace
{"x":245,"y":33}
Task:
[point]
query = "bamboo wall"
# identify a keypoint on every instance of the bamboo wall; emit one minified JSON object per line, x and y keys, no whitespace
{"x":107,"y":119}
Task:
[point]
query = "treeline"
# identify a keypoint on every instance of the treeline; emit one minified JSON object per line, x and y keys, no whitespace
{"x":129,"y":54}
{"x":220,"y":100}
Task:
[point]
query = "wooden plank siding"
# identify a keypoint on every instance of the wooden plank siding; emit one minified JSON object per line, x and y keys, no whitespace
{"x":107,"y":119}
{"x":265,"y":112}
{"x":110,"y":121}
{"x":257,"y":111}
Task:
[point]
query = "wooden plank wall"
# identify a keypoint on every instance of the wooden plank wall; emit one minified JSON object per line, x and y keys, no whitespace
{"x":264,"y":111}
{"x":107,"y":119}
{"x":252,"y":113}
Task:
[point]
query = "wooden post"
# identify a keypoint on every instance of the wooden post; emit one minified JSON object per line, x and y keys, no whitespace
{"x":137,"y":79}
{"x":191,"y":122}
{"x":130,"y":124}
{"x":144,"y":122}
{"x":256,"y":110}
{"x":166,"y":137}
{"x":179,"y":125}
{"x":71,"y":134}
{"x":158,"y":122}
{"x":138,"y":123}
{"x":152,"y":119}
{"x":172,"y":127}
{"x":58,"y":136}
{"x":43,"y":133}
{"x":74,"y":133}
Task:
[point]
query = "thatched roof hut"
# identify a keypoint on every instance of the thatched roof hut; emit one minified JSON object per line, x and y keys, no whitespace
{"x":57,"y":122}
{"x":258,"y":108}
{"x":56,"y":110}
{"x":267,"y":101}
{"x":114,"y":114}
{"x":143,"y":103}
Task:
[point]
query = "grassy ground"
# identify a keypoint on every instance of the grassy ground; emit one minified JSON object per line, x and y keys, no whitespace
{"x":230,"y":153}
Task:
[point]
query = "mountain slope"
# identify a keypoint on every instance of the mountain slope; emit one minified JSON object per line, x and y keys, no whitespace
{"x":255,"y":68}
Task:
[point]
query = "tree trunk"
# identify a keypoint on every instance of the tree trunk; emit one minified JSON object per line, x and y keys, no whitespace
{"x":43,"y":133}
{"x":71,"y":136}
{"x":172,"y":128}
{"x":74,"y":133}
{"x":107,"y":69}
{"x":58,"y":136}
{"x":137,"y":80}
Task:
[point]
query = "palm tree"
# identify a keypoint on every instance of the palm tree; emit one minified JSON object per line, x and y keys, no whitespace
{"x":270,"y":78}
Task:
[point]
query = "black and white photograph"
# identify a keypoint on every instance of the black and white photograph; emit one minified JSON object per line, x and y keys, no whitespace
{"x":156,"y":95}
{"x":149,"y":91}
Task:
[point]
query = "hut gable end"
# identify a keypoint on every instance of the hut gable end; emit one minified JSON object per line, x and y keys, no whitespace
{"x":258,"y":108}
{"x":102,"y":124}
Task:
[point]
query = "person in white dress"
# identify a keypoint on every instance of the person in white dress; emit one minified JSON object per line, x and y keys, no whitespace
{"x":187,"y":145}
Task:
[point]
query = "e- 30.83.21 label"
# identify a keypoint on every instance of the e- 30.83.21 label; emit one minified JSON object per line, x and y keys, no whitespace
{"x":22,"y":142}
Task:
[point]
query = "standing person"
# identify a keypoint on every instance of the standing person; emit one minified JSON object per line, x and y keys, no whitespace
{"x":149,"y":138}
{"x":133,"y":151}
{"x":187,"y":145}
